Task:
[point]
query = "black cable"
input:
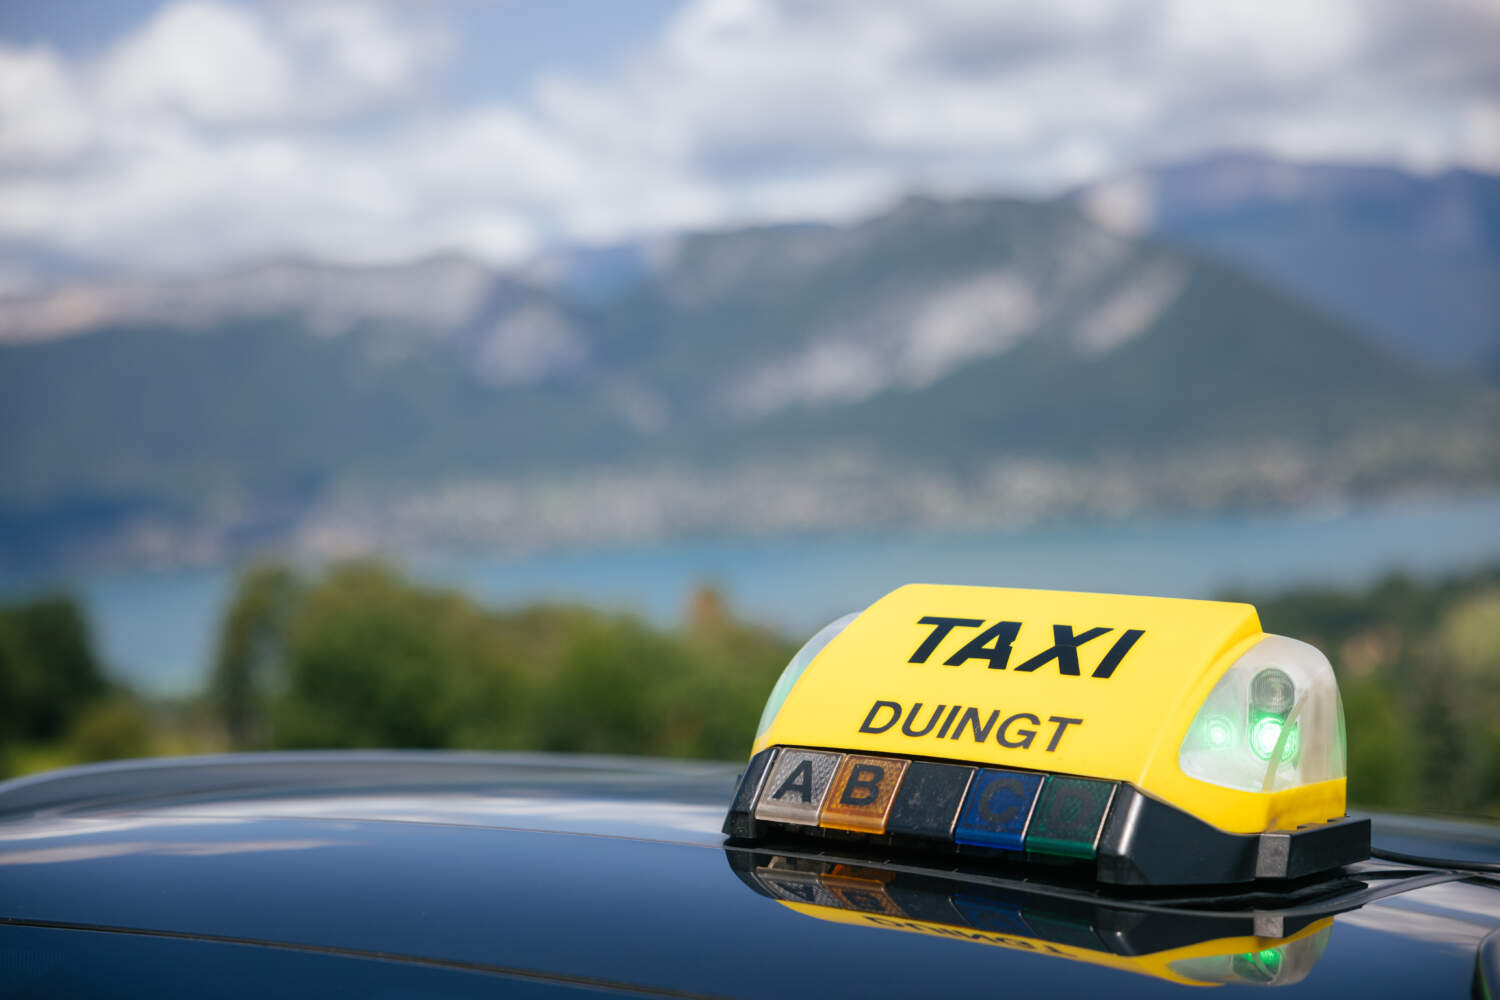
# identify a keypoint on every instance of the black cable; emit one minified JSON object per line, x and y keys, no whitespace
{"x":1449,"y":863}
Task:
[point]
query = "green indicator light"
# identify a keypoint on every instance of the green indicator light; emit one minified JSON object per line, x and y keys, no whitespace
{"x":1068,"y":815}
{"x":1264,"y":734}
{"x":1289,"y":750}
{"x":1218,"y":731}
{"x":1257,"y":966}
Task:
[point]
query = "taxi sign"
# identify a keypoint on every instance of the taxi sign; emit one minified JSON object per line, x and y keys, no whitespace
{"x":1069,"y":725}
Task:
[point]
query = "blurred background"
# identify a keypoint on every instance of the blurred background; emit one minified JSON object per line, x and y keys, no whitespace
{"x":539,"y":375}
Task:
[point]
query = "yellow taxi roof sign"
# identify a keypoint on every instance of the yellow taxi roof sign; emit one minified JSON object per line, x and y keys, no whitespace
{"x":1101,"y":686}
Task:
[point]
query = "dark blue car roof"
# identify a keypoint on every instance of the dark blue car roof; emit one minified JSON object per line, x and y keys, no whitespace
{"x":452,"y":874}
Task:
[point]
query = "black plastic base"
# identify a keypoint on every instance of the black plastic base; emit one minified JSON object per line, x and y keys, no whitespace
{"x":1143,"y":841}
{"x":1147,"y":842}
{"x":741,"y":823}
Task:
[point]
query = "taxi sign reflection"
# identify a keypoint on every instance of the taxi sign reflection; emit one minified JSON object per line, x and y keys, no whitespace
{"x":1196,"y":950}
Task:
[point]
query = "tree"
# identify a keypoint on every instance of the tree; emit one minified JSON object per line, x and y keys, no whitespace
{"x":109,"y":729}
{"x":48,"y":670}
{"x":252,"y":646}
{"x":373,"y":660}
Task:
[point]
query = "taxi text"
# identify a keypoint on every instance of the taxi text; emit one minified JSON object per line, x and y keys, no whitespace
{"x":994,"y":643}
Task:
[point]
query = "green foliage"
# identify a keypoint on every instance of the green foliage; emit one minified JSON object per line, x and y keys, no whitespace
{"x":625,"y":685}
{"x":48,"y":672}
{"x":250,"y":643}
{"x":1380,"y":746}
{"x":109,"y":729}
{"x":362,"y":657}
{"x":371,"y":660}
{"x":56,"y":705}
{"x":1469,"y":632}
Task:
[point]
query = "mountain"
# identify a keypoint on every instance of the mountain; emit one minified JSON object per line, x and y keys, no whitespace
{"x":973,"y":361}
{"x":1412,"y":260}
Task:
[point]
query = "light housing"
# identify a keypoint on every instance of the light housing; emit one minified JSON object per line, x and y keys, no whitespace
{"x":1273,"y":722}
{"x":796,"y":665}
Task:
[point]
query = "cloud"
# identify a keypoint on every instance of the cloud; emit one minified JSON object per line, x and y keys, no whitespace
{"x":218,"y":63}
{"x":42,"y":117}
{"x":209,"y":61}
{"x":1038,"y":95}
{"x":214,"y":131}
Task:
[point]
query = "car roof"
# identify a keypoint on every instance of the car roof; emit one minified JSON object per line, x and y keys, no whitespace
{"x":564,"y":873}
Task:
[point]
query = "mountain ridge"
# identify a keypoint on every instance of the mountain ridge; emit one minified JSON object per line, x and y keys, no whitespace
{"x":1411,"y":260}
{"x":924,"y":363}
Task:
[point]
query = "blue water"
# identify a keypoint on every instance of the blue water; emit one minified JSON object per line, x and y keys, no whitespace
{"x":156,"y":628}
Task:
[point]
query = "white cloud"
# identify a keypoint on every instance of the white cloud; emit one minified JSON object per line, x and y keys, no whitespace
{"x":42,"y":117}
{"x":357,"y":53}
{"x":1481,"y":131}
{"x":207,"y":60}
{"x":1274,"y":40}
{"x":217,"y":131}
{"x":212,"y":133}
{"x":747,"y":103}
{"x":219,"y":63}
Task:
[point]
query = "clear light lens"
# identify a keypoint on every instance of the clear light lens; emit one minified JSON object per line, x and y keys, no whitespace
{"x":1279,"y":966}
{"x":1257,"y":966}
{"x":1281,"y":692}
{"x":788,"y":678}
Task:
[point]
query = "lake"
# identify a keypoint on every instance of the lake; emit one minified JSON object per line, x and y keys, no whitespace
{"x":156,"y":628}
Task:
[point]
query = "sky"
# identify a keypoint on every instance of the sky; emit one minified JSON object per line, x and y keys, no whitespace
{"x":189,"y":135}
